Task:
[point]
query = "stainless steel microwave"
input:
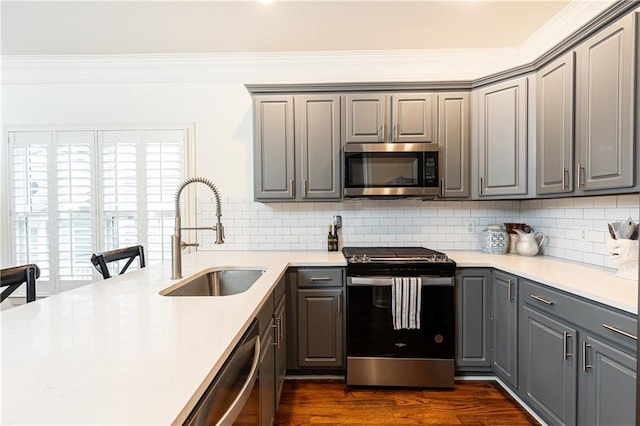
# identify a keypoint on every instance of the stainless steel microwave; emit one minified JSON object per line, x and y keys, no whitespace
{"x":392,"y":169}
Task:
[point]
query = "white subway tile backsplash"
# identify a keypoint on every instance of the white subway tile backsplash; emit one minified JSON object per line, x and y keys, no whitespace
{"x":435,"y":224}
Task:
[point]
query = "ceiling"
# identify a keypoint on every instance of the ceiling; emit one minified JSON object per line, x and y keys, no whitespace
{"x":137,"y":27}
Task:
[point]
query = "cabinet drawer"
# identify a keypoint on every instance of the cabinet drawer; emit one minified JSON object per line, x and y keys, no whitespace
{"x":320,"y":277}
{"x":616,"y":326}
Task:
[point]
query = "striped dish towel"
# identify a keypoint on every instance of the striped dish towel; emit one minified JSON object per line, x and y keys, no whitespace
{"x":406,"y":295}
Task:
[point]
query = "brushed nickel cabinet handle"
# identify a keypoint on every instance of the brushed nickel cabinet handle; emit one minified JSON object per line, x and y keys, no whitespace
{"x":543,"y":300}
{"x":306,"y":187}
{"x":580,"y":167}
{"x":480,"y":189}
{"x":276,"y":342}
{"x":339,"y":303}
{"x":292,"y":194}
{"x":565,"y":173}
{"x":585,"y":364}
{"x":617,"y":330}
{"x":509,"y":291}
{"x":442,"y":187}
{"x":320,"y":279}
{"x":565,"y":345}
{"x":381,"y":133}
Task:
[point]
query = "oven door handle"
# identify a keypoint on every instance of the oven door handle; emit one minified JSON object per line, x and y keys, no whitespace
{"x":388,"y":281}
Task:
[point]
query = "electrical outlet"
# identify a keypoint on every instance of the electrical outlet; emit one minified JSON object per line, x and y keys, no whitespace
{"x":583,"y":232}
{"x":469,"y":226}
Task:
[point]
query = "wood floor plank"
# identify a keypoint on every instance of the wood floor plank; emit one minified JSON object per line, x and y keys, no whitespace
{"x":331,"y":402}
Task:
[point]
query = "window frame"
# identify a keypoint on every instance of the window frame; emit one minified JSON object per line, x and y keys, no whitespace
{"x":55,"y":284}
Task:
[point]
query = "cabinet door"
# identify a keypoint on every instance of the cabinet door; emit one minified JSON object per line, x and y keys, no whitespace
{"x":280,"y":342}
{"x":607,"y":385}
{"x":273,"y":147}
{"x":548,"y":350}
{"x":554,"y":132}
{"x":473,"y":305}
{"x":318,"y":136}
{"x":320,"y":332}
{"x":502,"y":138}
{"x":266,"y":377}
{"x":365,"y":117}
{"x":504,"y":313}
{"x":605,"y":107}
{"x":453,"y":138}
{"x":411,"y":117}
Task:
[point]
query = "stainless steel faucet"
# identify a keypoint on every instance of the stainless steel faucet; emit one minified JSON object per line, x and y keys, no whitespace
{"x":176,"y":240}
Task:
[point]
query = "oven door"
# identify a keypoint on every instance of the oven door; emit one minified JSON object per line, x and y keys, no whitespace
{"x":370,"y":331}
{"x":391,"y":170}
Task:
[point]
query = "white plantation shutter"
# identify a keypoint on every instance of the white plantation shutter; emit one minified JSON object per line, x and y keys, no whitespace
{"x":76,"y":192}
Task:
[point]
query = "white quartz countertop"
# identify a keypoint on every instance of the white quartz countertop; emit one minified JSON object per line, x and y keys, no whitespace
{"x":117,"y":352}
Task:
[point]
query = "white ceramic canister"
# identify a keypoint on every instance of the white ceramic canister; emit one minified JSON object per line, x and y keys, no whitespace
{"x":495,"y":240}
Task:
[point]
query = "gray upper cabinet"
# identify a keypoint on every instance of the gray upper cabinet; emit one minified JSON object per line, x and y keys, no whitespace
{"x":378,"y":117}
{"x":297,"y":147}
{"x":504,"y":314}
{"x":473,"y":328}
{"x":412,"y":117}
{"x":365,"y":117}
{"x":274,"y":153}
{"x":554,"y":131}
{"x":605,"y":107}
{"x":453,"y":138}
{"x":318,"y":136}
{"x":502,"y":138}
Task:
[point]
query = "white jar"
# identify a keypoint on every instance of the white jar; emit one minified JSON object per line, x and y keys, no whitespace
{"x":495,"y":240}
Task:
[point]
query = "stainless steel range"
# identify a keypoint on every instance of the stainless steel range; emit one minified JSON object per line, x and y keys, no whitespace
{"x":385,"y":286}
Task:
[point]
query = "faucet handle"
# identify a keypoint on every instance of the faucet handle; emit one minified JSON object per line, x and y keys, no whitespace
{"x":185,"y":245}
{"x":219,"y":233}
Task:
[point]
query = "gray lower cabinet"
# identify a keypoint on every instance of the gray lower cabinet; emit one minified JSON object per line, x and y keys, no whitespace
{"x":271,"y":321}
{"x":473,"y":327}
{"x":266,"y":371}
{"x":317,"y":320}
{"x":504,"y":317}
{"x":554,"y":131}
{"x":577,"y":358}
{"x":607,"y":384}
{"x":502,"y":138}
{"x":280,"y":343}
{"x":605,"y":99}
{"x":548,"y":366}
{"x":297,"y":147}
{"x":453,"y":139}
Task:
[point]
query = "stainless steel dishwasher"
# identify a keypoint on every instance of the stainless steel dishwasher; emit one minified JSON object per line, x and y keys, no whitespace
{"x":233,"y":397}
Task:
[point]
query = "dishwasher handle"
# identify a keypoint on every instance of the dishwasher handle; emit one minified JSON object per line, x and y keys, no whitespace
{"x":388,"y":281}
{"x":238,"y":404}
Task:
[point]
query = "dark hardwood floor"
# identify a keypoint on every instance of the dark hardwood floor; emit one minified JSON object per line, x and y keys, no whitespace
{"x":331,"y":402}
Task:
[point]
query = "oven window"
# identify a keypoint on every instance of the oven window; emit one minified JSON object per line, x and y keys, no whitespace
{"x":383,"y":169}
{"x":370,"y":330}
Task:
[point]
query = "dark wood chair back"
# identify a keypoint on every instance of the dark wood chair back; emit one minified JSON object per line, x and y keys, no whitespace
{"x":14,"y":277}
{"x":100,"y":260}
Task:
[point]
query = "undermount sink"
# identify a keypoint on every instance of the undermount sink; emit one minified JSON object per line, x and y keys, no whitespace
{"x":225,"y":282}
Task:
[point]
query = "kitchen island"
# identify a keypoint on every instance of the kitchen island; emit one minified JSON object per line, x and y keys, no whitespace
{"x":118,"y":352}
